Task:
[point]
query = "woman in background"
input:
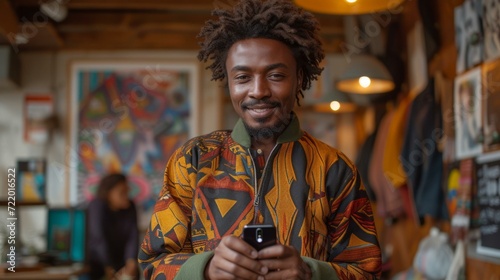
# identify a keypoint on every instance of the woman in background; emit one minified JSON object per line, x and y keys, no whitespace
{"x":113,"y":234}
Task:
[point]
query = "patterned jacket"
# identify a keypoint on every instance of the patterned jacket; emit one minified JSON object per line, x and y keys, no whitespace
{"x":311,"y":192}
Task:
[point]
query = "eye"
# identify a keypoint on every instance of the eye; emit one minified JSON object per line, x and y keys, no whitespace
{"x":276,"y":76}
{"x":242,"y":78}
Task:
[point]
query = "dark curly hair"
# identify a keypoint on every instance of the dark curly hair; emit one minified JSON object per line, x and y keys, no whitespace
{"x":273,"y":19}
{"x":108,"y":183}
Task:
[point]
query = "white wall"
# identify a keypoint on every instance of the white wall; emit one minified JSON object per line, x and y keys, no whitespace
{"x":47,"y":73}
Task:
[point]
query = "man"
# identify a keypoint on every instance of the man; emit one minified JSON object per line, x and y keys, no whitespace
{"x":266,"y":171}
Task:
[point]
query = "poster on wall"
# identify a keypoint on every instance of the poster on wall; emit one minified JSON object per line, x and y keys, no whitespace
{"x":468,"y":34}
{"x":467,"y":104}
{"x":491,"y":104}
{"x":491,"y":27}
{"x":488,"y":196}
{"x":38,"y":109}
{"x":31,"y":180}
{"x":128,"y":117}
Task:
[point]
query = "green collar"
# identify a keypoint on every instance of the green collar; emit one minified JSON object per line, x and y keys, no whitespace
{"x":291,"y":133}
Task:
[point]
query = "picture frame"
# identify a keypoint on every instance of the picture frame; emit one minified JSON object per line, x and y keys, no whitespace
{"x":469,"y":37}
{"x":491,"y":27}
{"x":491,"y":103}
{"x":128,"y":116}
{"x":31,"y":180}
{"x":467,"y":94}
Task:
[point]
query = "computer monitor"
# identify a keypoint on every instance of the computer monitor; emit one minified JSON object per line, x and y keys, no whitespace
{"x":66,"y":234}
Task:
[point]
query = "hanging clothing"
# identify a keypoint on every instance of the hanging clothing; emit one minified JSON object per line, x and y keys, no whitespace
{"x":421,"y":156}
{"x":363,"y":163}
{"x":389,"y":203}
{"x":391,"y":163}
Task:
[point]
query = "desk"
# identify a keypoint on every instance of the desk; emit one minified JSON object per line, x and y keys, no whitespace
{"x":46,"y":273}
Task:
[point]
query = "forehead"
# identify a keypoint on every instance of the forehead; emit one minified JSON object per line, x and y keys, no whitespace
{"x":257,"y":51}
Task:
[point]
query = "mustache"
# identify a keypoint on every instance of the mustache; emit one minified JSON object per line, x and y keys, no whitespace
{"x":252,"y":103}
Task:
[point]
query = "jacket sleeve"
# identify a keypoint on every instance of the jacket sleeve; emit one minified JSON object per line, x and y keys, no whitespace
{"x":167,"y":242}
{"x":354,"y":251}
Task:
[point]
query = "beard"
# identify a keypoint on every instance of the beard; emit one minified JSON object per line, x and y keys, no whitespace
{"x":271,"y":132}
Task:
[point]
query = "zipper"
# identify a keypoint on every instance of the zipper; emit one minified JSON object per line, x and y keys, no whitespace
{"x":258,"y":187}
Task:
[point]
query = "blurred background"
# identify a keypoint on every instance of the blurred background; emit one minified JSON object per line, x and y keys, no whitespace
{"x":410,"y":92}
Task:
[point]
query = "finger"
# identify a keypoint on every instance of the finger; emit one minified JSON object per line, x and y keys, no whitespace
{"x":275,"y":251}
{"x":225,"y":267}
{"x":237,"y":244}
{"x":230,"y":260}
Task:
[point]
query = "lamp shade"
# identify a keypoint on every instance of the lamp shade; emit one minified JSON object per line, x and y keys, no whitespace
{"x":323,"y":96}
{"x":365,"y":74}
{"x":344,"y":7}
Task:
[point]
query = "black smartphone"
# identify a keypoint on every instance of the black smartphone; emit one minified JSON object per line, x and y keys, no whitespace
{"x":259,"y":236}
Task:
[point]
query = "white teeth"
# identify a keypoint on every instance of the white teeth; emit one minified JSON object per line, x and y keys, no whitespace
{"x":260,"y":110}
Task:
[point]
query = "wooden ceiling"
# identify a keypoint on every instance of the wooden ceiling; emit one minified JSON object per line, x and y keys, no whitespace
{"x":124,"y":24}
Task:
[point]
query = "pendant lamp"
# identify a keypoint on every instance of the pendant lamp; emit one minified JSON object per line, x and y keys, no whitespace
{"x":350,"y":7}
{"x":365,"y":74}
{"x":323,"y":96}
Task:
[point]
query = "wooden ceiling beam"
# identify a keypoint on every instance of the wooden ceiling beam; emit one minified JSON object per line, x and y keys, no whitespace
{"x":116,"y":40}
{"x":171,"y":5}
{"x":103,"y":18}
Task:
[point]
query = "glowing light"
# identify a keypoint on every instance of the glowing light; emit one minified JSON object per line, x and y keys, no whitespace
{"x":364,"y":81}
{"x":351,"y":1}
{"x":335,"y":105}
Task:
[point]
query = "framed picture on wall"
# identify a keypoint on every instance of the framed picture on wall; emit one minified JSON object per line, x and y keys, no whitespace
{"x":467,"y":104}
{"x":468,"y":35}
{"x":491,"y":104}
{"x":128,"y":117}
{"x":31,"y":180}
{"x":491,"y":27}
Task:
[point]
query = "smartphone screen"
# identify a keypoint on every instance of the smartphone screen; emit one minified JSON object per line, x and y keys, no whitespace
{"x":259,"y":236}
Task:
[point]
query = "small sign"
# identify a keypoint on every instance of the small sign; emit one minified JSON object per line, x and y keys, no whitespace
{"x":488,"y":197}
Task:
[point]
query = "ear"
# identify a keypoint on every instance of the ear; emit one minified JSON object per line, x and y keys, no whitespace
{"x":299,"y":79}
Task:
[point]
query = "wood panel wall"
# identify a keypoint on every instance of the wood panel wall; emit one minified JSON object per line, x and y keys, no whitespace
{"x":404,"y":235}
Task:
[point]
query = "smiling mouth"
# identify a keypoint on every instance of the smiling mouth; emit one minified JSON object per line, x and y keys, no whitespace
{"x":261,"y":110}
{"x":261,"y":114}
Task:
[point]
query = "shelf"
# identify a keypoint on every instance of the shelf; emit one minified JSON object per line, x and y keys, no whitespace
{"x":23,"y":203}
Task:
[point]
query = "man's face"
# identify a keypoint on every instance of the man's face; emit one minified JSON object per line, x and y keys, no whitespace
{"x":263,"y":83}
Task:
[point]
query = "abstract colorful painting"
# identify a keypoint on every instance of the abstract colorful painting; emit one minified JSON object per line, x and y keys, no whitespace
{"x":128,"y":118}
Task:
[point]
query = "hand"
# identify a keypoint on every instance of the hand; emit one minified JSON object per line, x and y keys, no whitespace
{"x":129,"y":271}
{"x":234,"y":259}
{"x":109,"y":272}
{"x":284,"y":262}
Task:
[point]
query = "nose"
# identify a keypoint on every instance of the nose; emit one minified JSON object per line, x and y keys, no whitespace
{"x":259,"y":88}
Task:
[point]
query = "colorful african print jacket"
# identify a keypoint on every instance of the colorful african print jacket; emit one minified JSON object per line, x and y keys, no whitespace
{"x":311,"y":192}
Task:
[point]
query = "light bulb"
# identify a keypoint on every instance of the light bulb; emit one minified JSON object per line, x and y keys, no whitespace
{"x":335,"y":105}
{"x":351,"y":1}
{"x":364,"y":81}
